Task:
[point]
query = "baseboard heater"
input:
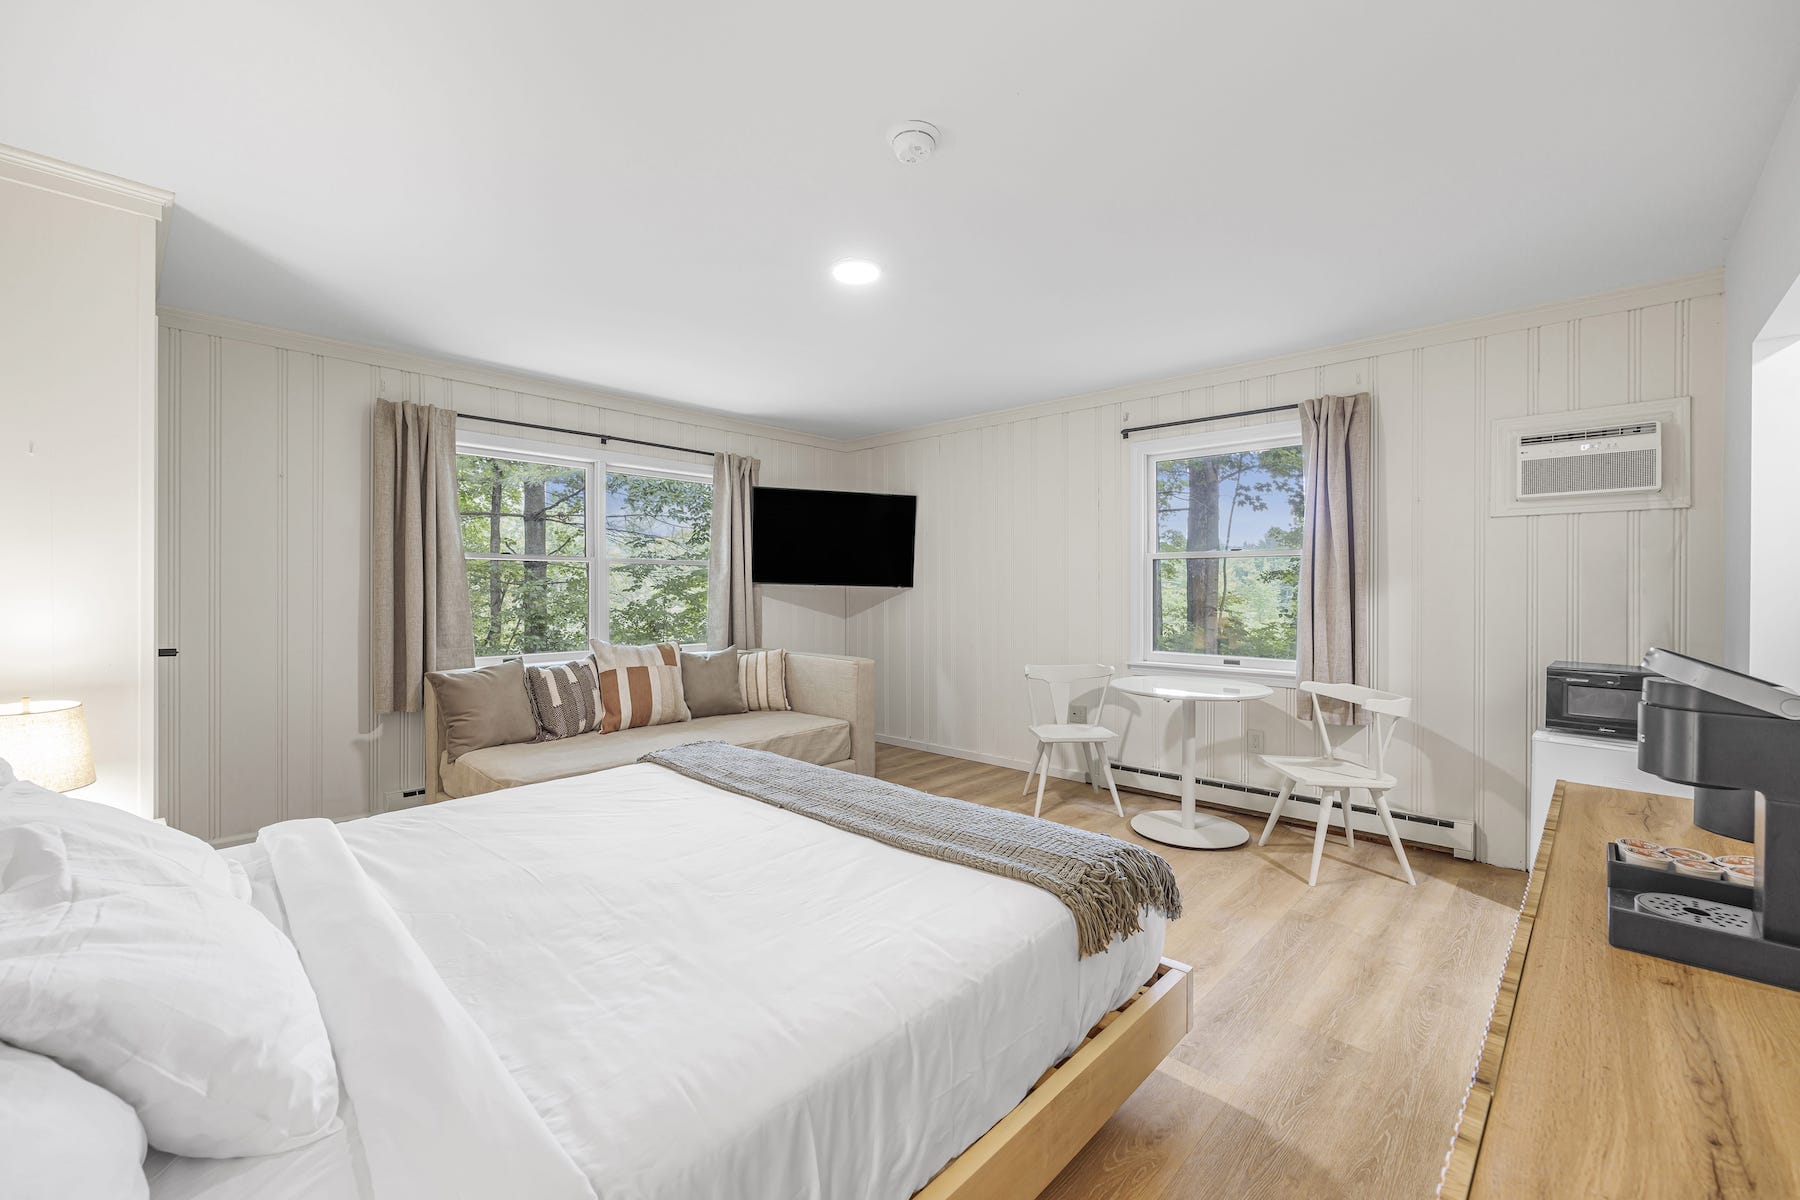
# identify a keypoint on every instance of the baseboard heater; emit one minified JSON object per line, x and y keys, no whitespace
{"x":1456,"y":836}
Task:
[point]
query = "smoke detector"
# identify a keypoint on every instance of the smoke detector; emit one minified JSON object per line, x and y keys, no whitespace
{"x":914,"y":141}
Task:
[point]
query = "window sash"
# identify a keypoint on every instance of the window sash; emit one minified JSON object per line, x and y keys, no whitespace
{"x":1179,"y":555}
{"x":1270,"y":436}
{"x":599,"y":563}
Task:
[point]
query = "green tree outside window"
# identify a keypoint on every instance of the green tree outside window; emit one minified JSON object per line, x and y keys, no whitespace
{"x":1226,"y":565}
{"x":531,"y":568}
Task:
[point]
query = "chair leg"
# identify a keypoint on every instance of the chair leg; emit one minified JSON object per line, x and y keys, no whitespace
{"x":1319,"y":835}
{"x":1287,"y":789}
{"x":1093,"y":771}
{"x":1036,"y":763}
{"x":1039,"y":810}
{"x":1349,"y":826}
{"x":1106,"y":769}
{"x":1387,"y":819}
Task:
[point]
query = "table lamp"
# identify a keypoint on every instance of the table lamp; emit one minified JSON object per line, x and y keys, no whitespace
{"x":46,"y":741}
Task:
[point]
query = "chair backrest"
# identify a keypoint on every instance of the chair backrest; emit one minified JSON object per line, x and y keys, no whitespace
{"x":1057,"y":685}
{"x":1389,"y":710}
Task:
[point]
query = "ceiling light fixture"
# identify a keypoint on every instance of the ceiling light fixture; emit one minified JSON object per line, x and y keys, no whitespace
{"x":855,"y":271}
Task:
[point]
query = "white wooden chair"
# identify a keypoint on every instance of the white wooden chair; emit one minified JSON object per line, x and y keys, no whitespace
{"x":1059,"y":684}
{"x":1337,"y":773}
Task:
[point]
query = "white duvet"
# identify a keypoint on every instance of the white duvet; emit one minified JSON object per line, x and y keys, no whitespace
{"x":636,"y":985}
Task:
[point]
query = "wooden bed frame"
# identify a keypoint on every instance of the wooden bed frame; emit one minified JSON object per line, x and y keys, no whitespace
{"x":1017,"y":1158}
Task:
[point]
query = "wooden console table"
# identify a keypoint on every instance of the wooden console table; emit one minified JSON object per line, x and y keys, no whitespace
{"x":1607,"y":1073}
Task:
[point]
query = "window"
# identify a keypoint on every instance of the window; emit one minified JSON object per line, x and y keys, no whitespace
{"x":554,"y":559}
{"x":1220,"y":522}
{"x":658,"y":541}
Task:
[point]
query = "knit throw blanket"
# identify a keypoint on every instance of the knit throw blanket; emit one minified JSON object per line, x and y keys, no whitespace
{"x":1104,"y":882}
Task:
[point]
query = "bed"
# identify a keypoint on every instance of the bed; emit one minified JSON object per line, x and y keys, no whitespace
{"x":639,"y":985}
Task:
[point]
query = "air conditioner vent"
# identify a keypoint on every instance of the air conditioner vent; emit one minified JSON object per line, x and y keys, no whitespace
{"x":1602,"y":461}
{"x":1587,"y":435}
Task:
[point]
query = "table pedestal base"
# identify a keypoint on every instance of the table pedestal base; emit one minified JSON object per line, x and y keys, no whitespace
{"x":1209,"y":832}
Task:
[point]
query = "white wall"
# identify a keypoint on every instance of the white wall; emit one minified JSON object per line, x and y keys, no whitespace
{"x":266,"y":514}
{"x":77,"y":455}
{"x":1761,"y":268}
{"x":1023,"y":555}
{"x":1774,"y":650}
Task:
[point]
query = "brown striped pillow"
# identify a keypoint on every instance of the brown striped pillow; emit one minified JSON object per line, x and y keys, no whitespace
{"x":660,"y":654}
{"x":565,"y":698}
{"x":763,"y":674}
{"x":634,"y":696}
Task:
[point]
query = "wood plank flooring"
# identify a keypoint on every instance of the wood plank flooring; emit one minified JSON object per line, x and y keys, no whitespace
{"x":1335,"y":1028}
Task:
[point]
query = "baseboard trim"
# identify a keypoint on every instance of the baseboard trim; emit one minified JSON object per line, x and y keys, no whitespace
{"x":1416,"y":829}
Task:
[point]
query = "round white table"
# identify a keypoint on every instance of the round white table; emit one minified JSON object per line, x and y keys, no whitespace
{"x":1187,"y":828}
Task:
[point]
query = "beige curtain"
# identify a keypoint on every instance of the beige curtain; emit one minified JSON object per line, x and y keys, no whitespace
{"x":1336,"y":442}
{"x":733,"y":608}
{"x":421,"y":582}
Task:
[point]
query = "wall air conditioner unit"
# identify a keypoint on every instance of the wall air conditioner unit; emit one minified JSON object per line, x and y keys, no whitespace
{"x":1602,"y":461}
{"x":1619,"y":458}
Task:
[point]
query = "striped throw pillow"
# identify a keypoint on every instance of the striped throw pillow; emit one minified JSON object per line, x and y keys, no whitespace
{"x":634,"y":696}
{"x":763,"y":674}
{"x":565,"y":698}
{"x":660,"y":654}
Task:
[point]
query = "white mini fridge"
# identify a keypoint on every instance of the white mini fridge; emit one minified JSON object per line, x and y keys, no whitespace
{"x":1606,"y":762}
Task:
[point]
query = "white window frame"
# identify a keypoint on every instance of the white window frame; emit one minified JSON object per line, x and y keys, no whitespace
{"x":1278,"y":672}
{"x":596,"y":465}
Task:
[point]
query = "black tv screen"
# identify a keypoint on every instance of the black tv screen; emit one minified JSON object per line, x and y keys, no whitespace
{"x":850,"y":539}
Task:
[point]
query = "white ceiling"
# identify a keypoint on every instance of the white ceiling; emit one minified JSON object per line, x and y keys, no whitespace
{"x":647,"y":197}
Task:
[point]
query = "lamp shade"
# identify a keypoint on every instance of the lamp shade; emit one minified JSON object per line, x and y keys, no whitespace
{"x":46,"y":741}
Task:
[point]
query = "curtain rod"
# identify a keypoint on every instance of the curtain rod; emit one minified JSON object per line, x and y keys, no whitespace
{"x":1248,"y":412}
{"x":604,"y":437}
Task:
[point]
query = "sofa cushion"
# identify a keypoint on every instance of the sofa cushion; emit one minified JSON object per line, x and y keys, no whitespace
{"x":709,"y":682}
{"x":483,"y":706}
{"x":823,"y":740}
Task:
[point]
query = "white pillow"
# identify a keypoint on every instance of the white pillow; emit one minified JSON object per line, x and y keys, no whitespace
{"x":63,"y":1138}
{"x":121,"y":959}
{"x":177,"y":854}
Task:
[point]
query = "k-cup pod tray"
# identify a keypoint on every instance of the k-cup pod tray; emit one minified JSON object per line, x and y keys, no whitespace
{"x":1632,"y":878}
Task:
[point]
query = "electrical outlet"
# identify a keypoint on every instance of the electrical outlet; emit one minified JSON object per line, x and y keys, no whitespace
{"x":1078,"y":714}
{"x":1254,"y":739}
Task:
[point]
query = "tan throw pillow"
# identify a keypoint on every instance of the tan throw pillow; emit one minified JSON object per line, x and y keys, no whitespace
{"x":710,"y":683}
{"x":661,"y":654}
{"x":566,"y":698}
{"x":483,"y":706}
{"x":763,"y":676}
{"x":635,"y":696}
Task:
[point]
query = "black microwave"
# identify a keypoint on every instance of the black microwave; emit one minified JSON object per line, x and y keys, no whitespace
{"x":1598,"y":699}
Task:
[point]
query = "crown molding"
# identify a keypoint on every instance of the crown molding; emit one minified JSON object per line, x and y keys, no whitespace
{"x":484,"y":376}
{"x":1686,"y":287}
{"x":53,"y":175}
{"x":95,"y":187}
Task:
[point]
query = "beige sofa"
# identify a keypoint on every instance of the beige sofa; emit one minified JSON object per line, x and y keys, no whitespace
{"x":832,"y":723}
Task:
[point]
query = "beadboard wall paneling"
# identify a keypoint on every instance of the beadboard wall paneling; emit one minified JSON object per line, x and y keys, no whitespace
{"x":1023,"y":554}
{"x":265,"y":504}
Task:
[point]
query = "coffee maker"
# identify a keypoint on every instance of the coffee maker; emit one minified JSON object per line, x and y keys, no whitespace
{"x":1736,"y":740}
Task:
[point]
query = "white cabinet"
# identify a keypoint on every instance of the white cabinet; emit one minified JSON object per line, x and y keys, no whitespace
{"x":1579,"y":759}
{"x":78,"y":456}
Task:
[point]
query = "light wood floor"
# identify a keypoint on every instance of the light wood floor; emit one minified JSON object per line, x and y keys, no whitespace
{"x":1335,"y":1028}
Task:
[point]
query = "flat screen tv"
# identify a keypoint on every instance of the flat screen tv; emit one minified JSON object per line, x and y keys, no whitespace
{"x":849,"y":539}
